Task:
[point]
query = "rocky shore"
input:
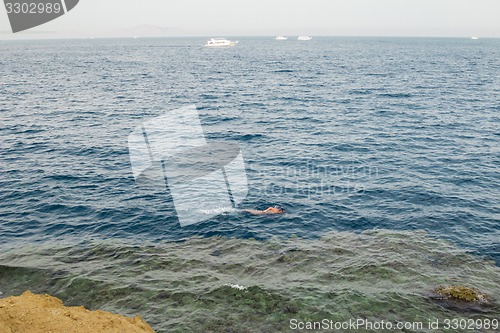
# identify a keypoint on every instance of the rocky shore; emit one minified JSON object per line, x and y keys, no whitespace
{"x":31,"y":313}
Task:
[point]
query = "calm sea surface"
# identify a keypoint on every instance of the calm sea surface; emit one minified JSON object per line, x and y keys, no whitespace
{"x":385,"y":152}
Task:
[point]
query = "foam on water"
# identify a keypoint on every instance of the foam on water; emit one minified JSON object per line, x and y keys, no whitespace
{"x":220,"y":210}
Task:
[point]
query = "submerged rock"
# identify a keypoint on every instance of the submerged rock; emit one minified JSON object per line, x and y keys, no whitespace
{"x":464,"y":299}
{"x":461,"y":293}
{"x":30,"y":313}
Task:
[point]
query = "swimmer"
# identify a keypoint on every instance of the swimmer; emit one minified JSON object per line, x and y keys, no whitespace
{"x":269,"y":211}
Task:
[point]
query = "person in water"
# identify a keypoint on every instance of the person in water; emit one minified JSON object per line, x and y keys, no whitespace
{"x":268,"y":211}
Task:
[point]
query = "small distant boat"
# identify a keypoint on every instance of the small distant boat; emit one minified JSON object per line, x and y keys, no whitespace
{"x":474,"y":37}
{"x":304,"y":38}
{"x":220,"y":42}
{"x":281,"y":38}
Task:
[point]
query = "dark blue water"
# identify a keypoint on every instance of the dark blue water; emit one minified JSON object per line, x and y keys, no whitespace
{"x":348,"y":134}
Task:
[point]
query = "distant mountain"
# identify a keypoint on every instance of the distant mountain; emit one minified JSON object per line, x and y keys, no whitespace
{"x":146,"y":30}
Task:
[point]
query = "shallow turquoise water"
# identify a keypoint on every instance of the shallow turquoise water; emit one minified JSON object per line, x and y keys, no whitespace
{"x":222,"y":284}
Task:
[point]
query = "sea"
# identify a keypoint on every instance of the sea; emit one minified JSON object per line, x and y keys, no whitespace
{"x":384,"y":152}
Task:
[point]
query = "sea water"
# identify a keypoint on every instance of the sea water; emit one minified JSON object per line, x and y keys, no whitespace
{"x":385,"y":153}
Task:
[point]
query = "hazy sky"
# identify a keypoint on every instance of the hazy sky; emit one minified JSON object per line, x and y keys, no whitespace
{"x":274,"y":17}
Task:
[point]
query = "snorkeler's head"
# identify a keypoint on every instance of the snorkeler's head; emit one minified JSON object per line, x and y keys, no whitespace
{"x":281,"y":209}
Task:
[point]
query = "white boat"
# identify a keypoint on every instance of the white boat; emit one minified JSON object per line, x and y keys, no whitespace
{"x":304,"y":38}
{"x":281,"y":38}
{"x":474,"y":37}
{"x":219,"y":42}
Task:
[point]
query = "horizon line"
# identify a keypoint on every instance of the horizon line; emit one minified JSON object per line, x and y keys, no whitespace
{"x":89,"y":36}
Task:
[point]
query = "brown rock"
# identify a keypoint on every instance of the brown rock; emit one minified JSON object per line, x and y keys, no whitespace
{"x":30,"y":313}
